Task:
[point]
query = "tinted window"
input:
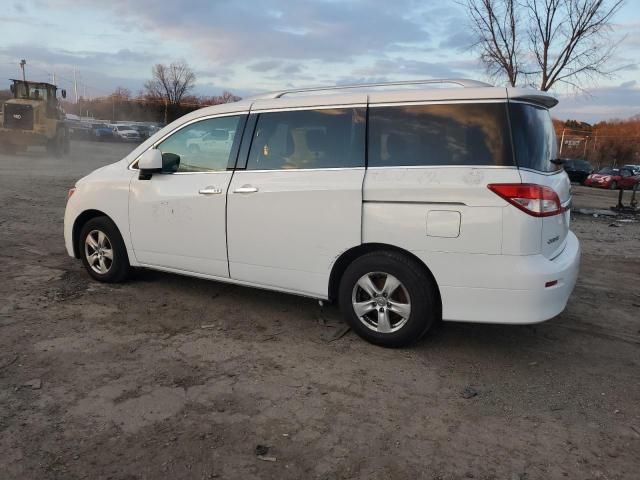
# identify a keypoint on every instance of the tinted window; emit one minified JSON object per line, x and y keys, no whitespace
{"x":308,"y":139}
{"x":203,"y":146}
{"x":583,"y":164}
{"x":534,"y":138}
{"x":455,"y":134}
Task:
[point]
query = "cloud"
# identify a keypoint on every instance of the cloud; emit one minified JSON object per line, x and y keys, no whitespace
{"x":605,"y":103}
{"x":400,"y":67}
{"x":227,"y":31}
{"x":62,"y":57}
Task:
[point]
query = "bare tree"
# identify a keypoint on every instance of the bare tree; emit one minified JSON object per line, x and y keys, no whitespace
{"x":496,"y":27}
{"x":227,"y":97}
{"x":122,"y":94}
{"x":566,"y":41}
{"x":170,"y":82}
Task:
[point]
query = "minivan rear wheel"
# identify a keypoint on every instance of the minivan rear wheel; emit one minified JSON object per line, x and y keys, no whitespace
{"x":102,"y":250}
{"x":388,"y":299}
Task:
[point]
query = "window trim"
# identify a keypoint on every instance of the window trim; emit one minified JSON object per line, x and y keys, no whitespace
{"x":244,"y":114}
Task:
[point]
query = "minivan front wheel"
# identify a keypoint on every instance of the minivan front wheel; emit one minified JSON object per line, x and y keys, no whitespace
{"x":102,"y":250}
{"x":388,"y":299}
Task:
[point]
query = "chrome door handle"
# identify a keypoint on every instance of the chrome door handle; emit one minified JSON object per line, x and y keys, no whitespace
{"x":246,"y":189}
{"x":209,"y":190}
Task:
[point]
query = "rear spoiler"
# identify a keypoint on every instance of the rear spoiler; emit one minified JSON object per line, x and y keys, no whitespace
{"x":532,"y":96}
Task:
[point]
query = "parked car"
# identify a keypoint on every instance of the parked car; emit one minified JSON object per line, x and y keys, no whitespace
{"x":125,"y":133}
{"x":577,"y":170}
{"x":404,"y":206}
{"x":214,"y":141}
{"x":78,"y":130}
{"x":634,"y":168}
{"x":101,"y":132}
{"x":145,"y":131}
{"x":613,"y":178}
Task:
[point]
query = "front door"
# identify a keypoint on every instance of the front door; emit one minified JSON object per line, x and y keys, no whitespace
{"x":297,"y":204}
{"x":177,"y":220}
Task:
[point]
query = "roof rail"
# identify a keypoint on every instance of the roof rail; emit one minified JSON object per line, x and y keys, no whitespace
{"x":463,"y":82}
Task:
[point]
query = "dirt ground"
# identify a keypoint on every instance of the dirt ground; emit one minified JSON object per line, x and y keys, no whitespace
{"x":180,"y":378}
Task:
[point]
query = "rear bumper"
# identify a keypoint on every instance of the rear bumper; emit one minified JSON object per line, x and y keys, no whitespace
{"x":531,"y":302}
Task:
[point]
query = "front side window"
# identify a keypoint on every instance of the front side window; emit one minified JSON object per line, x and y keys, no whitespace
{"x":204,"y":146}
{"x":439,"y":134}
{"x":534,"y":138}
{"x":304,"y":139}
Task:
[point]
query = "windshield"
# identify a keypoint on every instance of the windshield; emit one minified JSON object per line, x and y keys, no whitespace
{"x":34,"y":92}
{"x":581,"y":164}
{"x":534,"y":138}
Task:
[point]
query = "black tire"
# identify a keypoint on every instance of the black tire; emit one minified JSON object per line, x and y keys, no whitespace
{"x":59,"y":145}
{"x":118,"y":266}
{"x":419,"y":286}
{"x":613,"y":185}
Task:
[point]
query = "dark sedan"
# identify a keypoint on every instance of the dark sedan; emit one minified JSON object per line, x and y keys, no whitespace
{"x":577,"y":170}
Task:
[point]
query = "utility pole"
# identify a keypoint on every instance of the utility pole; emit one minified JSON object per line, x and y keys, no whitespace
{"x":23,"y":62}
{"x":75,"y":84}
{"x":561,"y":143}
{"x":586,"y":142}
{"x":165,"y":110}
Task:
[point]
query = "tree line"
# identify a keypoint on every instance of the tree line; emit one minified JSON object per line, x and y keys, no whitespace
{"x":606,"y":143}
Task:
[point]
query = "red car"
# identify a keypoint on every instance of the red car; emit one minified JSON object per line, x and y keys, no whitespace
{"x":613,"y":178}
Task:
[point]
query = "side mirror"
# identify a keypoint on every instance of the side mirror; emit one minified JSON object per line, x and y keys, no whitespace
{"x":63,"y":92}
{"x":170,"y":162}
{"x":150,"y":162}
{"x":154,"y":161}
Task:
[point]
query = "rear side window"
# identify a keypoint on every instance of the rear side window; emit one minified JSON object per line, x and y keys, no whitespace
{"x":439,"y":134}
{"x":534,"y":138}
{"x":304,"y":139}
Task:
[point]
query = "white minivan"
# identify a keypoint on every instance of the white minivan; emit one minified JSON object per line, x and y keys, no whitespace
{"x":406,"y":206}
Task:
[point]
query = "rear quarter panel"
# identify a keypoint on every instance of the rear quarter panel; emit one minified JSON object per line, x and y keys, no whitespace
{"x":398,"y":201}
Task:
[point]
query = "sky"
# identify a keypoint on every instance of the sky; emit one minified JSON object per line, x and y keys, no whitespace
{"x":251,"y":46}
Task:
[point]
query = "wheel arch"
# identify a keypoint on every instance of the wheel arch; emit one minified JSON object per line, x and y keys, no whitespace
{"x":345,"y":259}
{"x":79,"y":222}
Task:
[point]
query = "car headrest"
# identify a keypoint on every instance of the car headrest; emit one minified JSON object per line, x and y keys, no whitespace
{"x":316,"y":140}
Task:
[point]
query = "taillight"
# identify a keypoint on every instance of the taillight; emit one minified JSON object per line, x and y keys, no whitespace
{"x":536,"y":200}
{"x":70,"y":193}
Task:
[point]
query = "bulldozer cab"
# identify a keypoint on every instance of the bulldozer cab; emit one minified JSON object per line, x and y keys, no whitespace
{"x":42,"y":91}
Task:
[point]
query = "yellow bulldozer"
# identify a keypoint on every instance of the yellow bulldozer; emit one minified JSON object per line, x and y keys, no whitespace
{"x":34,"y":117}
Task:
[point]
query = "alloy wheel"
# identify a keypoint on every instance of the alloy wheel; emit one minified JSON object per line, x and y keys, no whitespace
{"x":381,"y":302}
{"x":98,"y":251}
